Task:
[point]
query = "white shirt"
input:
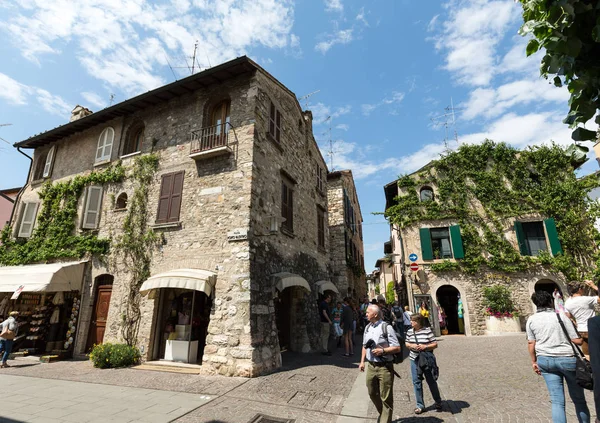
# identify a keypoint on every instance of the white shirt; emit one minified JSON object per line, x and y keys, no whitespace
{"x":582,"y":309}
{"x":374,"y":331}
{"x":550,"y":340}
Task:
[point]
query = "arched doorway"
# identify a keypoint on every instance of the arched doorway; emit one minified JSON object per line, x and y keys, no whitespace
{"x":448,"y":299}
{"x":283,"y":320}
{"x":551,"y":287}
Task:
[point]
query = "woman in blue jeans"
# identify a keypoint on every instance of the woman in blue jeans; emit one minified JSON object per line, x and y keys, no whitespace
{"x":552,"y":357}
{"x":420,"y":338}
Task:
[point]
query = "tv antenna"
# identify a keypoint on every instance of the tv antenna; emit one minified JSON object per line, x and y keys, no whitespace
{"x":187,"y":66}
{"x":5,"y":124}
{"x":330,"y":152}
{"x":448,"y":121}
{"x":304,"y":97}
{"x":112,"y":98}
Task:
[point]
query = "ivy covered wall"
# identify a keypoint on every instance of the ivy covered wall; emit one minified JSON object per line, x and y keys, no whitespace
{"x":486,"y":188}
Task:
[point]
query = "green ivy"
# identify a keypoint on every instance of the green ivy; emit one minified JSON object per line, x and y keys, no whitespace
{"x":134,"y":246}
{"x":55,"y":234}
{"x":507,"y":183}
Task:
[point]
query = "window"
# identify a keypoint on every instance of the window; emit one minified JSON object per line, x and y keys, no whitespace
{"x":287,"y":206}
{"x":105,"y":143}
{"x":321,"y":175}
{"x":275,"y":123}
{"x":27,"y":220}
{"x":134,"y":141}
{"x":220,"y":118}
{"x":43,"y":167}
{"x":441,"y":243}
{"x":121,"y":202}
{"x":426,"y":194}
{"x":93,"y":205}
{"x":321,"y":227}
{"x":169,"y":203}
{"x":531,"y":238}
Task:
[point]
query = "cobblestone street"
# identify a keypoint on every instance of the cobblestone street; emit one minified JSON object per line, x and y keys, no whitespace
{"x":482,"y":379}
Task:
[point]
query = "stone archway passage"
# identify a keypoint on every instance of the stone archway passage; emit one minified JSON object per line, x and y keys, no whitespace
{"x":550,"y":286}
{"x":447,"y":298}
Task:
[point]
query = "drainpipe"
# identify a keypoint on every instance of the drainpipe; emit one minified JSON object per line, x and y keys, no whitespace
{"x":16,"y":201}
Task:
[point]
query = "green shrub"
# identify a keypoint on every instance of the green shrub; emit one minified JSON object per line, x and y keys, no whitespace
{"x":498,"y":301}
{"x":107,"y":355}
{"x":390,"y":293}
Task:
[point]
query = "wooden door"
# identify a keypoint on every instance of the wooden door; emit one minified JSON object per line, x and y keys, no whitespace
{"x":98,"y":324}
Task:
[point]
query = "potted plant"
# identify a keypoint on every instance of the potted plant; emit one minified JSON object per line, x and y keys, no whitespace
{"x":502,"y":315}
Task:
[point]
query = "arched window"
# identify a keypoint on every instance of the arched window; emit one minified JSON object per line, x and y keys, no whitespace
{"x":426,"y":194}
{"x":121,"y":202}
{"x":134,"y":140}
{"x":105,"y":143}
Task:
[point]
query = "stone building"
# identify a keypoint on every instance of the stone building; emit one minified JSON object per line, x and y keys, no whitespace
{"x":431,"y":242}
{"x":7,"y":200}
{"x":346,"y":236}
{"x":238,"y":205}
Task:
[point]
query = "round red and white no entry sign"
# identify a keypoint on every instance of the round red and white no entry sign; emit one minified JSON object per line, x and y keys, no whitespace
{"x":414,"y":267}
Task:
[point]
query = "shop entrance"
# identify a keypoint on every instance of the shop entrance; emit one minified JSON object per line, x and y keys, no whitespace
{"x":283,"y":309}
{"x":182,"y":325}
{"x":448,"y":299}
{"x":104,"y":285}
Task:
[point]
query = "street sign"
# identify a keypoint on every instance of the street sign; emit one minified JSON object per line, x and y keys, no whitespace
{"x":414,"y":267}
{"x":16,"y":294}
{"x":413,"y":257}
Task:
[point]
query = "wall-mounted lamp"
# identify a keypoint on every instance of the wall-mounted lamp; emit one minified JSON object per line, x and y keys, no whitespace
{"x":274,"y":222}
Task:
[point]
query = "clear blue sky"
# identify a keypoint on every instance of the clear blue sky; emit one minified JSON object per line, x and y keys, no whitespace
{"x":385,"y":69}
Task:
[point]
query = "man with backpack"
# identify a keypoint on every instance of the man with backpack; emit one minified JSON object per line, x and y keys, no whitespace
{"x":378,"y":351}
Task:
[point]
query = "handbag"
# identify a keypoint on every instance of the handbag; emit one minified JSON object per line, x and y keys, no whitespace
{"x":7,"y":333}
{"x":583,"y":368}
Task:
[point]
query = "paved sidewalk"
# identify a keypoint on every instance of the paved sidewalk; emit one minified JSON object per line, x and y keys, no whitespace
{"x":482,"y":379}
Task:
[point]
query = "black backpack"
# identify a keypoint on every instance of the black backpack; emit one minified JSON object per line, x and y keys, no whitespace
{"x":398,"y":357}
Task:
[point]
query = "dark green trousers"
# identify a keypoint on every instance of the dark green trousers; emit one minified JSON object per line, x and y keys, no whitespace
{"x":380,"y":383}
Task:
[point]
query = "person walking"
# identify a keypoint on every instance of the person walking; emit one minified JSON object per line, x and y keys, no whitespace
{"x":347,"y":326}
{"x":406,"y":319}
{"x":580,"y":308}
{"x":378,"y":350}
{"x":398,"y":321}
{"x":552,"y":357}
{"x":8,"y":331}
{"x":421,"y":342}
{"x":325,"y":324}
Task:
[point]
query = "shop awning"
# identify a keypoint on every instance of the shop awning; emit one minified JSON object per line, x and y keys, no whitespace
{"x":326,"y":286}
{"x":284,"y":280}
{"x":196,"y":279}
{"x":54,"y":277}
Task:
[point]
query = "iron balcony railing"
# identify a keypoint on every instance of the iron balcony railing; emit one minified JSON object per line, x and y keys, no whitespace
{"x":211,"y":137}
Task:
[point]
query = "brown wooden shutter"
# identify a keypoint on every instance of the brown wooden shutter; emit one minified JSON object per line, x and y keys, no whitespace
{"x":176,"y":193}
{"x":291,"y":209}
{"x":165,"y":197}
{"x":272,"y":120}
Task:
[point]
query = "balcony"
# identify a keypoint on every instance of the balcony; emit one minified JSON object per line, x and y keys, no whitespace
{"x":212,"y":141}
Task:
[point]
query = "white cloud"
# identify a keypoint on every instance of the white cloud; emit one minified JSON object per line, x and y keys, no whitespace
{"x":13,"y":91}
{"x":94,"y":99}
{"x":361,"y":17}
{"x":334,"y":6}
{"x":493,"y":102}
{"x":431,"y":26}
{"x":20,"y":94}
{"x":339,"y":37}
{"x":343,"y":127}
{"x":124,"y":44}
{"x":321,"y":112}
{"x":470,"y":37}
{"x":395,"y":98}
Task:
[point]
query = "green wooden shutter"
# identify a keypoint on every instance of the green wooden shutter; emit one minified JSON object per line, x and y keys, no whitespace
{"x":426,"y":248}
{"x":555,"y":246}
{"x":456,"y":239}
{"x":521,"y":239}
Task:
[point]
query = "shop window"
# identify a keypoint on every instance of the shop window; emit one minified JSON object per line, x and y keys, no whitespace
{"x":27,"y":220}
{"x":169,"y":203}
{"x":275,"y":123}
{"x":287,"y":206}
{"x":43,"y":167}
{"x":134,"y":141}
{"x":321,"y":227}
{"x":121,"y":203}
{"x":93,"y":205}
{"x":105,"y":143}
{"x":426,"y":194}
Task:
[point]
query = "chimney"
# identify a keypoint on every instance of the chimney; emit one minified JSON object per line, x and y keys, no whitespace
{"x":79,"y":112}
